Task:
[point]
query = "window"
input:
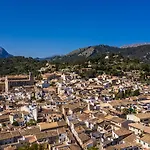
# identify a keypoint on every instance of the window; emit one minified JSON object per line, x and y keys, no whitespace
{"x":139,"y":140}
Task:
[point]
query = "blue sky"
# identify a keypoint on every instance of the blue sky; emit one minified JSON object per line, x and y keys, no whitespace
{"x":41,"y":28}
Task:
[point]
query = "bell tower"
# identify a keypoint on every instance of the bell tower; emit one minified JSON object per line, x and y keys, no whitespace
{"x":6,"y":84}
{"x":31,"y":78}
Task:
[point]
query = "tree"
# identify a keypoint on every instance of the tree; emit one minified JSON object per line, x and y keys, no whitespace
{"x":93,"y":148}
{"x":3,"y":125}
{"x":120,"y":95}
{"x":136,"y":92}
{"x":125,"y":111}
{"x":34,"y":146}
{"x":15,"y":123}
{"x":39,"y":77}
{"x":33,"y":96}
{"x":20,"y":65}
{"x":31,"y":122}
{"x":130,"y":110}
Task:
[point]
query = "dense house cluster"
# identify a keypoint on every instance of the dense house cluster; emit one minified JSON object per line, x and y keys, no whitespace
{"x":65,"y":112}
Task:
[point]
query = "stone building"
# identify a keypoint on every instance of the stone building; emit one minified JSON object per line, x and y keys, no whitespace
{"x":16,"y":81}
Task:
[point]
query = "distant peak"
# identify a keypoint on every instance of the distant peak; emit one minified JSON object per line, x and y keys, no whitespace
{"x":1,"y":48}
{"x":134,"y":45}
{"x":4,"y":53}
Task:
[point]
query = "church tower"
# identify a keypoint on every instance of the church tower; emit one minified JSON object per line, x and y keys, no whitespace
{"x":6,"y":84}
{"x":31,"y":78}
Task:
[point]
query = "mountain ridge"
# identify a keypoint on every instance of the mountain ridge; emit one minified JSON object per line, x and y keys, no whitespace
{"x":4,"y":53}
{"x":140,"y":51}
{"x":134,"y":45}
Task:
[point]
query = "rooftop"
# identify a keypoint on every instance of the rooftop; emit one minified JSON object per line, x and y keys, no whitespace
{"x":146,"y":138}
{"x":84,"y":138}
{"x":143,"y":115}
{"x":46,"y":126}
{"x":117,"y":120}
{"x":122,"y":132}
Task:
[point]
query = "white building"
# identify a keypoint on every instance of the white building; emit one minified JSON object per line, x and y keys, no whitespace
{"x":32,"y":110}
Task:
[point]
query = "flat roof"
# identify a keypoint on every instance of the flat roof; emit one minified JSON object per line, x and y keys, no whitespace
{"x":46,"y":126}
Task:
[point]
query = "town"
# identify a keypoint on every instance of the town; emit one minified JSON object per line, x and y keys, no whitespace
{"x":74,"y":75}
{"x":63,"y":111}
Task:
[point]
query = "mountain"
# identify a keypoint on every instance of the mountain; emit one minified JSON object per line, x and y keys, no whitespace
{"x":134,"y":45}
{"x":4,"y":53}
{"x":139,"y":51}
{"x":93,"y":50}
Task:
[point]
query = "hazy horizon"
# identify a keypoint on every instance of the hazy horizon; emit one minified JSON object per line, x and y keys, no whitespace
{"x":46,"y":28}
